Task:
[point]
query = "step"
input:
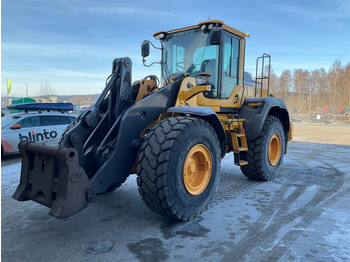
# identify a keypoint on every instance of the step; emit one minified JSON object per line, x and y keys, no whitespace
{"x":241,"y":163}
{"x":241,"y":149}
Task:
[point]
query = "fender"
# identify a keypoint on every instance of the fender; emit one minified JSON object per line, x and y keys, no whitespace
{"x":255,"y":111}
{"x":207,"y":114}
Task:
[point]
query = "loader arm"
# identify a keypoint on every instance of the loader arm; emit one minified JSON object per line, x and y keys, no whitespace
{"x":101,"y":116}
{"x":97,"y":151}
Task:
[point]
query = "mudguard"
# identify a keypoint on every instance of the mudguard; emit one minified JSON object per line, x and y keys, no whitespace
{"x":207,"y":114}
{"x":256,"y":114}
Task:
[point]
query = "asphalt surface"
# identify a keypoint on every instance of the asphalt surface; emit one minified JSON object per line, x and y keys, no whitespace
{"x":303,"y":215}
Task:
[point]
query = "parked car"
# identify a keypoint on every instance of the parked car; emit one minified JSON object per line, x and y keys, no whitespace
{"x":296,"y":119}
{"x":38,"y":127}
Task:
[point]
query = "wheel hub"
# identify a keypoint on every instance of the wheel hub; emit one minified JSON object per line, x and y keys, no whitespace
{"x":197,"y":169}
{"x":274,"y":149}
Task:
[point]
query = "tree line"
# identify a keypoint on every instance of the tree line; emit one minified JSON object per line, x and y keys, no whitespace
{"x":308,"y":91}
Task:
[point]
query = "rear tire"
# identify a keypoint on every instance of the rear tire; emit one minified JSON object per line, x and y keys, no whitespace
{"x":179,"y":167}
{"x":266,"y":152}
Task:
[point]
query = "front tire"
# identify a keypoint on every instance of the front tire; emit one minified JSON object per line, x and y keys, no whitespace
{"x":179,"y":167}
{"x":266,"y":152}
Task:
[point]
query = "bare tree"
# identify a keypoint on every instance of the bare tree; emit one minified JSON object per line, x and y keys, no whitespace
{"x":298,"y":79}
{"x":314,"y":86}
{"x":345,"y":87}
{"x":77,"y":100}
{"x":45,"y":90}
{"x":274,"y":87}
{"x":285,"y":83}
{"x":301,"y":84}
{"x":334,"y":76}
{"x":312,"y":90}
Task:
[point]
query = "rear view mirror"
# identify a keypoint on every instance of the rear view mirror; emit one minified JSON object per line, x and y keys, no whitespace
{"x":145,"y":49}
{"x":216,"y":35}
{"x":16,"y":127}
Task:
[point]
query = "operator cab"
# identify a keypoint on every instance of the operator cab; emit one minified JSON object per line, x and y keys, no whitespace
{"x":215,"y":49}
{"x":210,"y":47}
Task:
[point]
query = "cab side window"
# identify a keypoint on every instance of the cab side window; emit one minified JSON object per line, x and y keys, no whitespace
{"x":29,"y":122}
{"x":230,"y":65}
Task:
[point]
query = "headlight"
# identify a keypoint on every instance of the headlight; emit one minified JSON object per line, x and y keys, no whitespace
{"x":202,"y":79}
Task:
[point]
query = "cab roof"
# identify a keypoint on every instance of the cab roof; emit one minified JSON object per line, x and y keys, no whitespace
{"x":213,"y":22}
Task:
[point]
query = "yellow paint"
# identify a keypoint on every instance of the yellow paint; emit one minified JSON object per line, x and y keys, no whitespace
{"x":221,"y":23}
{"x":234,"y":101}
{"x":274,"y":149}
{"x":197,"y":169}
{"x":186,"y":95}
{"x":229,"y":123}
{"x":183,"y":89}
{"x":146,"y":86}
{"x":291,"y":131}
{"x":254,"y":104}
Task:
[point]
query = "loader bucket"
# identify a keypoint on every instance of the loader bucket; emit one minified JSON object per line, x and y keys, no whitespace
{"x":52,"y":176}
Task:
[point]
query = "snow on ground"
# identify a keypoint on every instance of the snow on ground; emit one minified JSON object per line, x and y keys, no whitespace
{"x":10,"y":176}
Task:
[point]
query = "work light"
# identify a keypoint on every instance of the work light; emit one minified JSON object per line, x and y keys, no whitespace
{"x":202,"y":78}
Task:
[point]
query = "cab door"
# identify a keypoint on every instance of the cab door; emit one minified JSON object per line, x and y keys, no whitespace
{"x":231,"y":90}
{"x":230,"y":66}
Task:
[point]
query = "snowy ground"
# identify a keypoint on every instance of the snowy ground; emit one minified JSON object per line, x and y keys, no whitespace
{"x":303,"y":215}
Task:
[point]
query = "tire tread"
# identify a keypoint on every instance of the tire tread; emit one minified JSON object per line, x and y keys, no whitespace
{"x":153,"y":160}
{"x":254,"y":169}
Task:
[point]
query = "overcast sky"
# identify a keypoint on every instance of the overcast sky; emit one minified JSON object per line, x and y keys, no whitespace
{"x":71,"y":43}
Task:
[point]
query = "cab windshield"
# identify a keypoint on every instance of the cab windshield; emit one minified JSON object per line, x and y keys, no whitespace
{"x":190,"y":52}
{"x":7,"y":120}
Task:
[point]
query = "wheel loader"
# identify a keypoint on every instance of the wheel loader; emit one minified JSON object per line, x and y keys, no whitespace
{"x":171,"y":132}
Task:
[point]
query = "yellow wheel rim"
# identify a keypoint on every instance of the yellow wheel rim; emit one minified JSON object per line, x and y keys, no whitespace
{"x":274,"y":150}
{"x":197,"y":169}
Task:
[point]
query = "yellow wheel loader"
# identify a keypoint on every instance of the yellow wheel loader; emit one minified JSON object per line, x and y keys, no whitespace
{"x":171,"y":132}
